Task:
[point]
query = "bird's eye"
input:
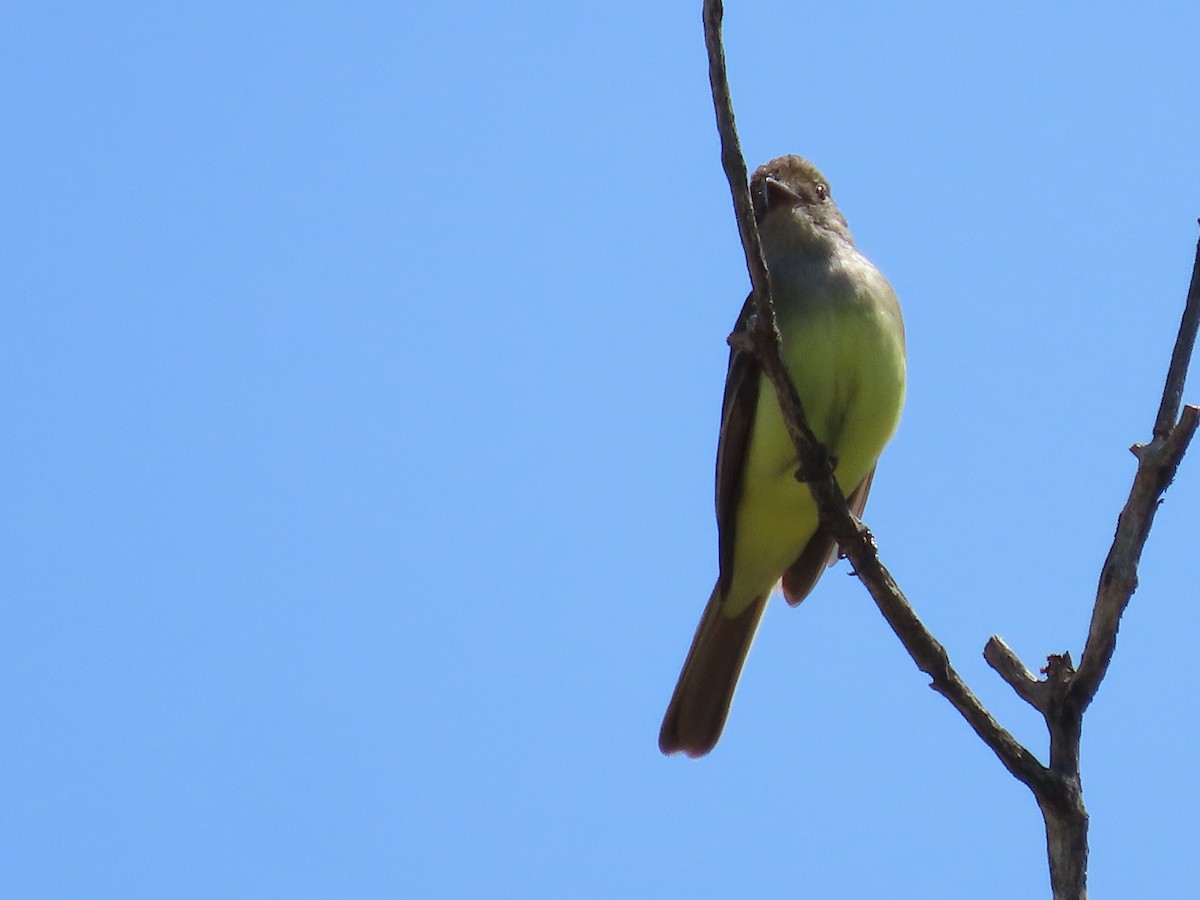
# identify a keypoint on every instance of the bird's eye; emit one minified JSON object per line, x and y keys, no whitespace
{"x":822,"y":191}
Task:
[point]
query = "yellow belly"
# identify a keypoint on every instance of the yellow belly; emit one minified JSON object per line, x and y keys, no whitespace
{"x":848,"y":365}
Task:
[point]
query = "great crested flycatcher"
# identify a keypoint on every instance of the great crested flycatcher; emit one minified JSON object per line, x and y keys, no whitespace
{"x":843,"y":343}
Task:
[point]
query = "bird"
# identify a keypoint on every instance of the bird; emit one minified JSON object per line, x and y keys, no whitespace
{"x":843,"y":345}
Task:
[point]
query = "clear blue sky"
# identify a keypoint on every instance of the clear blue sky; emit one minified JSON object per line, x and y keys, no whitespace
{"x":361,"y":366}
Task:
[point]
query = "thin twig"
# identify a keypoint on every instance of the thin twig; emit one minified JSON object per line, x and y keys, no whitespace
{"x":763,"y":339}
{"x":1008,"y":666}
{"x":1181,"y":356}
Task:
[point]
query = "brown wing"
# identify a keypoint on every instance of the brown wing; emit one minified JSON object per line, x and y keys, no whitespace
{"x":696,"y":714}
{"x":821,"y":551}
{"x":737,"y":424}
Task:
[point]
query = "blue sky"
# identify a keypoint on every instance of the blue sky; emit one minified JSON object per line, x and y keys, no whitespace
{"x":361,"y":369}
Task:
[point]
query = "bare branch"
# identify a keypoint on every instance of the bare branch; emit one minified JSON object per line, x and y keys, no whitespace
{"x":931,"y":657}
{"x":1002,"y":658}
{"x":765,"y":340}
{"x":1157,"y":463}
{"x":1181,"y":356}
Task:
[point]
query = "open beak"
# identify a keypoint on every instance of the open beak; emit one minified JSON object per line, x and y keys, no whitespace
{"x":773,"y":192}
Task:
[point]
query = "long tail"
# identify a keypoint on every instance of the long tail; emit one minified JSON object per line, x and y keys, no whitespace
{"x":700,"y":704}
